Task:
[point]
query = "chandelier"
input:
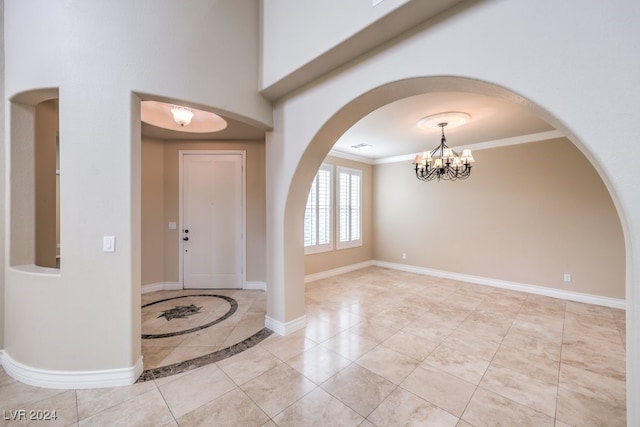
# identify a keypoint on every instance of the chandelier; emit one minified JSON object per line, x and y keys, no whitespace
{"x":443,"y":163}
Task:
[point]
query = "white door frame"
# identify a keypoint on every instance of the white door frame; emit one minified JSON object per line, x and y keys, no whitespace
{"x":181,"y":156}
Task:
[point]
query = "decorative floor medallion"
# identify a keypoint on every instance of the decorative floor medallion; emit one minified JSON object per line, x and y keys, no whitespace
{"x":163,"y":320}
{"x":183,"y":312}
{"x":198,"y":362}
{"x":180,"y":312}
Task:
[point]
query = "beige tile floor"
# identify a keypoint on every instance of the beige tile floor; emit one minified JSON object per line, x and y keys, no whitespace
{"x":387,"y":348}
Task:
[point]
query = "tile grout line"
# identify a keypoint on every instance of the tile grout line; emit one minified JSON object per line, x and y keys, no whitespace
{"x":75,"y":394}
{"x":491,"y":361}
{"x":564,"y":320}
{"x":164,"y":399}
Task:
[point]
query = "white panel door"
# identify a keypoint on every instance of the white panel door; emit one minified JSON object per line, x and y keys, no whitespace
{"x":212,"y":221}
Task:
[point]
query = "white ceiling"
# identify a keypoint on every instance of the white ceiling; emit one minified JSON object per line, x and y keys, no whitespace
{"x":392,"y":129}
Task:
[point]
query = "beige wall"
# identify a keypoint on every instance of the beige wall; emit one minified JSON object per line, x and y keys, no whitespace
{"x":288,"y":44}
{"x":160,"y":205}
{"x":327,"y":34}
{"x":46,"y":183}
{"x":100,"y":154}
{"x":315,"y":263}
{"x":528,"y":214}
{"x":152,"y":211}
{"x":21,"y":180}
{"x":2,"y":179}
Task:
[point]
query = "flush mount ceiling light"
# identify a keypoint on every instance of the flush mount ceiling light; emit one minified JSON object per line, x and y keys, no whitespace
{"x":181,"y":115}
{"x":181,"y":119}
{"x":442,"y":162}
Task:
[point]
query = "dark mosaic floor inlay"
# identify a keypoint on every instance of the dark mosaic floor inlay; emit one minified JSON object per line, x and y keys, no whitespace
{"x":185,"y":311}
{"x":188,"y":365}
{"x":180,"y":312}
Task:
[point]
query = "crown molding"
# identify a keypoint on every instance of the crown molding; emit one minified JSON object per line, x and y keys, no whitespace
{"x":353,"y":157}
{"x":522,"y":139}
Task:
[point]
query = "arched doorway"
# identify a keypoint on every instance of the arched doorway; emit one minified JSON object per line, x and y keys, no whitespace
{"x":323,"y":134}
{"x":329,"y":132}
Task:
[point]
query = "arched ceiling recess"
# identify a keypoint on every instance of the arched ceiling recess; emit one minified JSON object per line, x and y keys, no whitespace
{"x":157,"y":122}
{"x":159,"y":114}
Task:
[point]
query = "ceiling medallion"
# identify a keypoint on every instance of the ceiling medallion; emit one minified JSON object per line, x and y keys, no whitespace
{"x":453,"y":119}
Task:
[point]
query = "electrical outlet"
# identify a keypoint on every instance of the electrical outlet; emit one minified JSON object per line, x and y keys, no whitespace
{"x":567,"y":277}
{"x":404,"y":256}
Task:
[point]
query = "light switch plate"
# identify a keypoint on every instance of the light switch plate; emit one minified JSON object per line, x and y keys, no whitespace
{"x":172,"y":225}
{"x":109,"y":243}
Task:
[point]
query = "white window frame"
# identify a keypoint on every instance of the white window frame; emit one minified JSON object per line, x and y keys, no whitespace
{"x":325,"y":247}
{"x":351,"y":243}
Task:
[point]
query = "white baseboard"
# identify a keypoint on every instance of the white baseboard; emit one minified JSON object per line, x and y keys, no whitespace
{"x":285,"y":328}
{"x":503,"y":284}
{"x":71,"y":379}
{"x":161,"y":286}
{"x":175,"y":286}
{"x":337,"y":271}
{"x":496,"y":283}
{"x":255,"y":286}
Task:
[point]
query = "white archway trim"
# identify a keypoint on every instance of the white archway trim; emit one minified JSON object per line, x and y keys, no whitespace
{"x":70,"y":379}
{"x":282,"y":328}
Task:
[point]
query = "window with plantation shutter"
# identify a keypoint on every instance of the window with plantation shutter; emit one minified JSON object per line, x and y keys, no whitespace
{"x":317,"y":215}
{"x":349,"y":187}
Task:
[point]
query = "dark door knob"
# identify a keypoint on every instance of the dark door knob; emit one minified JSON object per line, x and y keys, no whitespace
{"x":185,"y":238}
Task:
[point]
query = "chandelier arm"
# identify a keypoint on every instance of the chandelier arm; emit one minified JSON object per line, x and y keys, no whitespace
{"x":423,"y":176}
{"x":453,"y":175}
{"x":464,"y":173}
{"x":429,"y":175}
